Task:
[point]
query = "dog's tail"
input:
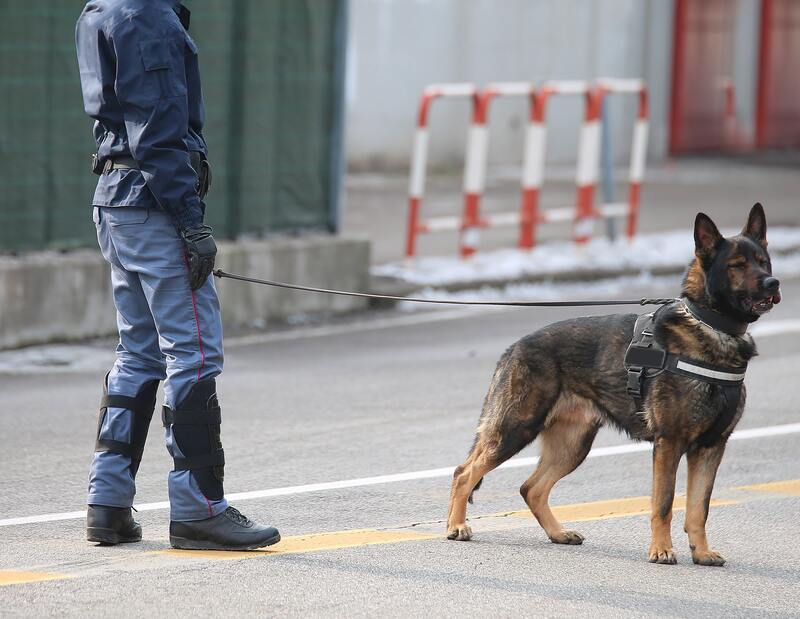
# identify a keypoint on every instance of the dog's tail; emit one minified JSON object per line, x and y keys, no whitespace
{"x":477,"y":487}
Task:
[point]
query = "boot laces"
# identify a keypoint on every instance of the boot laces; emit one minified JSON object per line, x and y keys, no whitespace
{"x":238,"y":517}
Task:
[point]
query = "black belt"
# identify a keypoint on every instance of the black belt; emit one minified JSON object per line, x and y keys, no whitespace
{"x":199,"y":164}
{"x":120,"y":163}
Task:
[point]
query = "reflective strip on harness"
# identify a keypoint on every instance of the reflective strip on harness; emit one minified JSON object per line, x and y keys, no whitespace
{"x":716,"y":374}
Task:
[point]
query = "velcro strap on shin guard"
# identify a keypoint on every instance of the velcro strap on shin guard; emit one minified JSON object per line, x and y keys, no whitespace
{"x":195,"y":424}
{"x":142,"y":407}
{"x":216,"y":458}
{"x":171,"y":417}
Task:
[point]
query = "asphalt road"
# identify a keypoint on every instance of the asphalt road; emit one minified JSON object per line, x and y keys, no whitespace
{"x":386,"y":396}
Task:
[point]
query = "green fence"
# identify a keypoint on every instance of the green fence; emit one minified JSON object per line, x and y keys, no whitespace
{"x":273,"y":73}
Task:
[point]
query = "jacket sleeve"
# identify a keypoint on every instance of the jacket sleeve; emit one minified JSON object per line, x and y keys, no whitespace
{"x":150,"y":86}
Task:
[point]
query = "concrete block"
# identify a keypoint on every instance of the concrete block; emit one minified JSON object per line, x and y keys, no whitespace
{"x":323,"y":262}
{"x":50,"y":296}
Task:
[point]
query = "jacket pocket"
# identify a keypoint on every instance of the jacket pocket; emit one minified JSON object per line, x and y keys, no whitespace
{"x":126,"y":216}
{"x":155,"y":54}
{"x":163,"y":61}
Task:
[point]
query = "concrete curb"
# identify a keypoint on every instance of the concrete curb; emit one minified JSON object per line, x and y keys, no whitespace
{"x":56,"y":297}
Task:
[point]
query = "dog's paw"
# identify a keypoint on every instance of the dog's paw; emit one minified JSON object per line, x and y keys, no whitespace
{"x":460,"y":532}
{"x":659,"y":554}
{"x":565,"y":536}
{"x":708,"y":557}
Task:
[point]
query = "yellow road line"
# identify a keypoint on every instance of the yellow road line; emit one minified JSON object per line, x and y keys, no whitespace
{"x":790,"y":487}
{"x":13,"y":577}
{"x":597,"y":510}
{"x":310,"y":543}
{"x":614,"y":508}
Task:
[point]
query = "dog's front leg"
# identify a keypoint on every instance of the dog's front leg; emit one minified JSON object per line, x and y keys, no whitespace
{"x":666,"y":456}
{"x":703,"y":464}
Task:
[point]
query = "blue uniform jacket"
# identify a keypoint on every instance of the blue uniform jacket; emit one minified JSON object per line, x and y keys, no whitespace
{"x":141,"y":83}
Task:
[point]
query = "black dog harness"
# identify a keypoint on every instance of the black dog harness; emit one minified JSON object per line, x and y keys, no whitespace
{"x":645,"y":359}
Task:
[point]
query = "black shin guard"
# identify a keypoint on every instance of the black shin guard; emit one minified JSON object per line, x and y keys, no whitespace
{"x":142,"y":407}
{"x":196,"y":429}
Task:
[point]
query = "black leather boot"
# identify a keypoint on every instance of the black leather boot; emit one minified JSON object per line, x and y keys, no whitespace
{"x":230,"y":530}
{"x":111,"y":525}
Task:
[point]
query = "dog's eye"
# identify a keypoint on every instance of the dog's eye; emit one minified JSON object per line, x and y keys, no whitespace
{"x":736,"y":265}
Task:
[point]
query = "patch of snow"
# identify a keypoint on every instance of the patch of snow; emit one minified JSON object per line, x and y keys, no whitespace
{"x":644,"y":253}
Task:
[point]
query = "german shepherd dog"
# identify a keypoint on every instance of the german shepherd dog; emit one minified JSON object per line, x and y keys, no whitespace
{"x":563,"y":382}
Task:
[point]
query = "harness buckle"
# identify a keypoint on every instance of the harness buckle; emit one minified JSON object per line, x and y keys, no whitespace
{"x":635,"y":379}
{"x":645,"y":357}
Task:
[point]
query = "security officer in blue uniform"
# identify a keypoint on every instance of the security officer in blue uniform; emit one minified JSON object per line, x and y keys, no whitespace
{"x":141,"y":84}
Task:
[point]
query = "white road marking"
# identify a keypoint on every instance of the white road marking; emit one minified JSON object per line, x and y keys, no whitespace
{"x":598,"y":452}
{"x":776,"y":327}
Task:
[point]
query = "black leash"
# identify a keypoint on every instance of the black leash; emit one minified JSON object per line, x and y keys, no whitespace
{"x":266,"y":282}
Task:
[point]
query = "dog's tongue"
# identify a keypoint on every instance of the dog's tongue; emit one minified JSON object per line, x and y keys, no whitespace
{"x":776,"y":298}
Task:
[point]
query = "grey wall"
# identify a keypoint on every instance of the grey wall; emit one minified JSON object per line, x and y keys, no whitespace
{"x":396,"y":47}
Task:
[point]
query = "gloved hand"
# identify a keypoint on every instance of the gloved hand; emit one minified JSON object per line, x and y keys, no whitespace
{"x":201,"y":250}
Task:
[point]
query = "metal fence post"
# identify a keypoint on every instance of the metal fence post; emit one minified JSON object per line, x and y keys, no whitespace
{"x":338,"y":163}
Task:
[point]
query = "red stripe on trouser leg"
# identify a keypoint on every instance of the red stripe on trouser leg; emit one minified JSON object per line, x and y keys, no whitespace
{"x":413,"y":227}
{"x":529,"y":217}
{"x":584,"y":213}
{"x":199,"y":336}
{"x":633,"y":209}
{"x":196,"y":322}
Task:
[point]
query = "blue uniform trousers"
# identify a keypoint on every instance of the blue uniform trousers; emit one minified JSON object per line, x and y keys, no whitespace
{"x":166,"y":332}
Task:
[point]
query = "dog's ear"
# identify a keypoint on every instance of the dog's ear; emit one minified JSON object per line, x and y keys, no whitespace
{"x":756,"y":226}
{"x":706,"y":236}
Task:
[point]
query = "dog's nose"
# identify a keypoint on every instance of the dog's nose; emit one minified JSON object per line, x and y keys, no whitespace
{"x":771,"y":284}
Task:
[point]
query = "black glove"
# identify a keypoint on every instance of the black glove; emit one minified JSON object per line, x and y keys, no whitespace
{"x":200,"y":253}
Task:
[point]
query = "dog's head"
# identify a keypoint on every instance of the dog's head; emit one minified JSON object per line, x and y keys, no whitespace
{"x":733,"y":275}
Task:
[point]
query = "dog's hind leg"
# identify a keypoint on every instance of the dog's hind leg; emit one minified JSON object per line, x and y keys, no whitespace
{"x":565,"y":442}
{"x":465,"y":478}
{"x":514,"y":411}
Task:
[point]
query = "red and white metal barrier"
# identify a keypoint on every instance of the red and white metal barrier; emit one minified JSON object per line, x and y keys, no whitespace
{"x":419,"y":159}
{"x":533,"y":161}
{"x":471,"y":221}
{"x":629,"y":210}
{"x":583,"y":214}
{"x":475,"y":167}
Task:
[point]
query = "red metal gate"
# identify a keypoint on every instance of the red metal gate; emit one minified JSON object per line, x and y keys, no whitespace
{"x":778,"y":102}
{"x":701,"y":68}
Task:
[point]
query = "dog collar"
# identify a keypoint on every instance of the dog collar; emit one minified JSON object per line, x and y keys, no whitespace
{"x":715,"y":320}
